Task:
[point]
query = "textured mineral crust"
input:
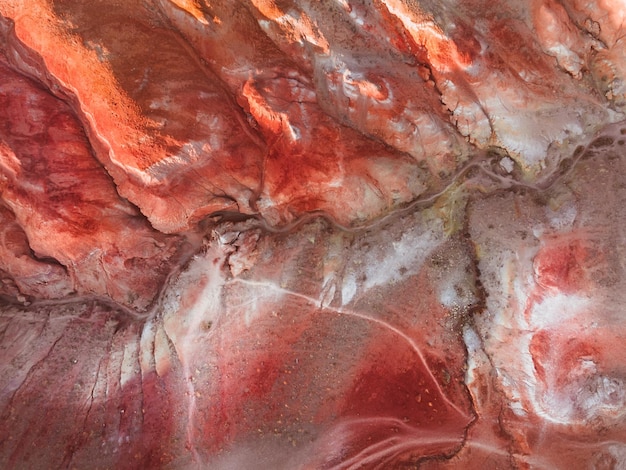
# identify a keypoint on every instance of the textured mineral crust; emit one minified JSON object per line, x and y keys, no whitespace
{"x":258,"y":234}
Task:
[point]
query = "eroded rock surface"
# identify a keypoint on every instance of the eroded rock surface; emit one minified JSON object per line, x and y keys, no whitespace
{"x":291,"y":355}
{"x":314,"y":235}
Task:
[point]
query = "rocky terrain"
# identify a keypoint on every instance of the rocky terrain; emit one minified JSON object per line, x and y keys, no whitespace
{"x":263,"y":234}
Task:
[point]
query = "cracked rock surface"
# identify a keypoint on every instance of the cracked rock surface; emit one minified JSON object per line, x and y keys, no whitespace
{"x":312,"y":235}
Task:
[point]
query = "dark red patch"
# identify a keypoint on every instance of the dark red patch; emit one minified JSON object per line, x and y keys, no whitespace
{"x":560,"y":266}
{"x":562,"y":357}
{"x":396,"y":399}
{"x":464,"y":38}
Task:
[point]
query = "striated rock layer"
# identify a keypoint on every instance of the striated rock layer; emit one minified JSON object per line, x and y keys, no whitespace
{"x":312,"y":235}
